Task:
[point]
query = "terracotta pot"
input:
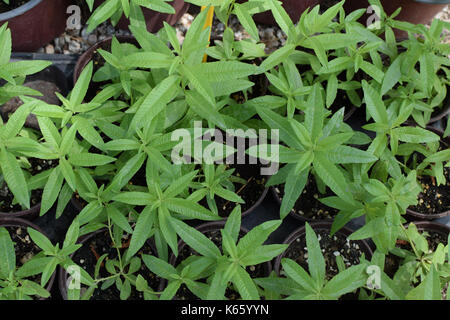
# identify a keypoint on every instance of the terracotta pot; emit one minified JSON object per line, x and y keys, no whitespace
{"x":293,"y":7}
{"x":209,"y":226}
{"x":412,"y":11}
{"x":413,"y":215}
{"x":155,"y":19}
{"x":301,"y":232}
{"x":16,"y":222}
{"x":36,"y":23}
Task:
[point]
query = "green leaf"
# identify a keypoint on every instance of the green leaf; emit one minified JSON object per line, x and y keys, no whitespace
{"x":246,"y":20}
{"x":375,"y":104}
{"x":392,"y":76}
{"x":81,"y":86}
{"x":14,"y":177}
{"x":415,"y":135}
{"x":118,"y":218}
{"x":196,"y":240}
{"x":7,"y":254}
{"x":298,"y":274}
{"x":51,"y":190}
{"x":332,"y":177}
{"x":159,"y":267}
{"x":429,"y":289}
{"x":190,"y":209}
{"x":276,"y":58}
{"x":257,"y":236}
{"x":316,"y":261}
{"x":141,"y":232}
{"x":40,"y":240}
{"x":155,"y":101}
{"x":346,"y":281}
{"x":245,"y":285}
{"x":85,"y":159}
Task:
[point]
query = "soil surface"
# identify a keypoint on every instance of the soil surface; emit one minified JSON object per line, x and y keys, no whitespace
{"x":215,"y":236}
{"x":433,"y":199}
{"x":25,"y":249}
{"x":308,"y":205}
{"x":100,"y":244}
{"x":13,"y":4}
{"x":7,"y":198}
{"x":334,"y":246}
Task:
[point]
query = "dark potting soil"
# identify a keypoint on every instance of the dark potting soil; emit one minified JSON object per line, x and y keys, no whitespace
{"x":7,"y":198}
{"x":308,"y":205}
{"x":433,"y":199}
{"x":336,"y":245}
{"x":216,"y":237}
{"x":87,"y":256}
{"x":392,"y":262}
{"x":251,"y":192}
{"x":25,"y":249}
{"x":13,"y":4}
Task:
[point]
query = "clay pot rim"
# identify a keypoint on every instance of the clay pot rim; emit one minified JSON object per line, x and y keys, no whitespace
{"x":430,"y":226}
{"x":18,"y":222}
{"x":208,"y":226}
{"x":19,"y":10}
{"x":29,"y":214}
{"x":320,"y":225}
{"x":429,"y":217}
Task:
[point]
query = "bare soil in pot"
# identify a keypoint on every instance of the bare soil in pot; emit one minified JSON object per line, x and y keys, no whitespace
{"x":434,"y":200}
{"x":13,"y":4}
{"x":9,"y":208}
{"x":24,"y":247}
{"x":308,"y":207}
{"x":94,"y":246}
{"x":212,"y":231}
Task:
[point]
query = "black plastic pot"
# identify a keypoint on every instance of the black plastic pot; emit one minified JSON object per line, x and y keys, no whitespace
{"x":301,"y":232}
{"x":209,"y":226}
{"x":36,"y":23}
{"x":413,"y":215}
{"x":16,"y":222}
{"x":432,"y":226}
